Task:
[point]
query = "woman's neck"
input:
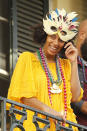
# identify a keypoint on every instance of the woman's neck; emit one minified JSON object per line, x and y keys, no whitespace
{"x":50,"y":58}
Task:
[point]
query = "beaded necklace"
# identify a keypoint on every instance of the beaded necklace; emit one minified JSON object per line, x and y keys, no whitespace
{"x":49,"y":76}
{"x":59,"y":79}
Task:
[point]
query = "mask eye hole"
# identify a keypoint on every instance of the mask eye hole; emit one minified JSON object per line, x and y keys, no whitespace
{"x":63,"y":33}
{"x":53,"y":28}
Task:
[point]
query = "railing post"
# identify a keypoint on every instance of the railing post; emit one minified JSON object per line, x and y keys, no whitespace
{"x":3,"y":115}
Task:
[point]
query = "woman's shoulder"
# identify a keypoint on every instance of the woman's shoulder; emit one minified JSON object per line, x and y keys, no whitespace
{"x":65,"y":62}
{"x":27,"y":55}
{"x":26,"y":58}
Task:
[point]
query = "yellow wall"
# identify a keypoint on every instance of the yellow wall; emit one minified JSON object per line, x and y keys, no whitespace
{"x":79,"y":6}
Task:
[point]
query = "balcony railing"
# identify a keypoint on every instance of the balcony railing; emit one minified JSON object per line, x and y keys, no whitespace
{"x":19,"y":123}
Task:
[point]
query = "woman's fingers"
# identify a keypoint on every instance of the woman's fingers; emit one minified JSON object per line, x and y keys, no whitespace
{"x":71,"y":51}
{"x":62,"y":115}
{"x":67,"y":45}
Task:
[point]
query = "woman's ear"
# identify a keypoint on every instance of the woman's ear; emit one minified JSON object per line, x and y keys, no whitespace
{"x":82,"y":35}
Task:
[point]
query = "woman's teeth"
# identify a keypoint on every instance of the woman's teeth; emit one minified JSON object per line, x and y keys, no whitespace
{"x":54,"y":48}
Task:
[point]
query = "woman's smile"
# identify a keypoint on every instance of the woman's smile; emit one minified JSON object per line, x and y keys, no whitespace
{"x":53,"y":45}
{"x":53,"y":49}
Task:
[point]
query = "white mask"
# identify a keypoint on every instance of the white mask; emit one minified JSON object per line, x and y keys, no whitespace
{"x":62,"y":23}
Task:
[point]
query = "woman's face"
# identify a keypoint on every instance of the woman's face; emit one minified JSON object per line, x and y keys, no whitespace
{"x":53,"y":45}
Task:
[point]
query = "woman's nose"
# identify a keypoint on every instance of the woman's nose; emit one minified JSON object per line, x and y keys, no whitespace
{"x":56,"y":41}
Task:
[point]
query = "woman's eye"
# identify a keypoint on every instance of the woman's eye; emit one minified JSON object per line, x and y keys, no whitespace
{"x":63,"y":33}
{"x":53,"y":37}
{"x":60,"y":40}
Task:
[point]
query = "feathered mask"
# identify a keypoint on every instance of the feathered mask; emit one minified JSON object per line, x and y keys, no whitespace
{"x":62,"y":23}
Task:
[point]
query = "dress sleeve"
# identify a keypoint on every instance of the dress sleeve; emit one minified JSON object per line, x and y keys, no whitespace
{"x":22,"y":82}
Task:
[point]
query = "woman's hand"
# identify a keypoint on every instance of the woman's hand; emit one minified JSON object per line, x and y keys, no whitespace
{"x":59,"y":114}
{"x":71,"y":52}
{"x":55,"y":113}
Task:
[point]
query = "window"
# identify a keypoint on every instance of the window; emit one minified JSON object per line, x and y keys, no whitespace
{"x":4,"y":46}
{"x":26,"y":13}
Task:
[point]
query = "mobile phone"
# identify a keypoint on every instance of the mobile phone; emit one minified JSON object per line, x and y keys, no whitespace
{"x":62,"y":52}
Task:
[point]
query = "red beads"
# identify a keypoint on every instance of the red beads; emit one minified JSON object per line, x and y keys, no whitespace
{"x":48,"y":80}
{"x":65,"y":93}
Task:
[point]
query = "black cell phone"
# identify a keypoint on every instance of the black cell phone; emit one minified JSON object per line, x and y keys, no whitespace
{"x":62,"y":52}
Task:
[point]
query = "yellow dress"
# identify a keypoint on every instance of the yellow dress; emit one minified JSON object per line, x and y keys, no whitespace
{"x":29,"y":80}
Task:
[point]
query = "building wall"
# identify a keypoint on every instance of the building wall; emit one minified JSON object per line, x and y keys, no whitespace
{"x":79,"y":6}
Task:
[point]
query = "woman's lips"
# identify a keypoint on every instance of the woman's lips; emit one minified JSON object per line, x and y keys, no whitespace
{"x":53,"y":49}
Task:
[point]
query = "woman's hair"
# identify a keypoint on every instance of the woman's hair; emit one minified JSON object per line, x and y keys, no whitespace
{"x":39,"y":35}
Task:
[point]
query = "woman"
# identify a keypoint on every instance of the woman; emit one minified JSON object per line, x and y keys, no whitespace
{"x":43,"y":80}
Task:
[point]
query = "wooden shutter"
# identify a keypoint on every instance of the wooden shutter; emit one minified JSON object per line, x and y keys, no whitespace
{"x":26,"y":13}
{"x":29,"y":13}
